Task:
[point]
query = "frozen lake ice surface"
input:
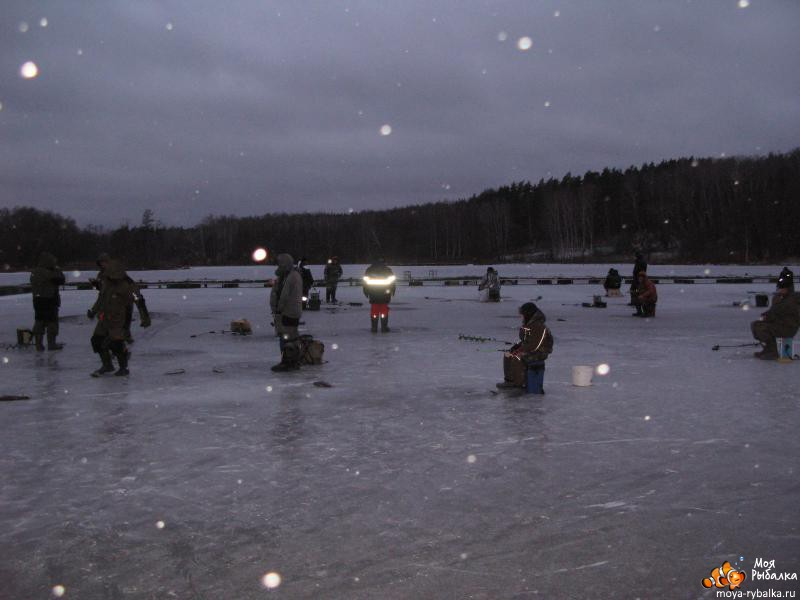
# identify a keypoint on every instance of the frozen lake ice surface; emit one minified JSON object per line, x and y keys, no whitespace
{"x":409,"y":477}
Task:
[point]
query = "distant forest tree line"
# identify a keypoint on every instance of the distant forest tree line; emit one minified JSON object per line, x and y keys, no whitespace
{"x":742,"y":209}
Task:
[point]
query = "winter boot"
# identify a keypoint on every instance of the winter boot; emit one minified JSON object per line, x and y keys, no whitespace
{"x":283,"y":367}
{"x":385,"y":324}
{"x":38,"y":340}
{"x":107,"y":367}
{"x":122,"y":358}
{"x":374,"y":324}
{"x":290,"y":358}
{"x":51,"y":342}
{"x":770,"y":352}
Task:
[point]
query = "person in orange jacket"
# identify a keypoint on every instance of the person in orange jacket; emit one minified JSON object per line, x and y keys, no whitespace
{"x":646,"y":298}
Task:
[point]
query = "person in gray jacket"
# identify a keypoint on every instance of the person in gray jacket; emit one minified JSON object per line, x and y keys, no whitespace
{"x":286,"y":302}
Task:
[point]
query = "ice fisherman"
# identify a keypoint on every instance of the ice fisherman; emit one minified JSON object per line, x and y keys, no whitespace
{"x":781,"y":320}
{"x":489,"y":286}
{"x":787,"y":276}
{"x":646,"y":297}
{"x":45,"y":281}
{"x":639,"y":265}
{"x":332,"y":275}
{"x":379,"y":287}
{"x":117,"y":294}
{"x":535,"y":344}
{"x":96,"y":281}
{"x":286,"y":303}
{"x":613,"y":283}
{"x":308,"y":280}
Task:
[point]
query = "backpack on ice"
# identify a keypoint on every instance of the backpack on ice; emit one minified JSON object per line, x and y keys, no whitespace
{"x":241,"y":327}
{"x":311,"y":350}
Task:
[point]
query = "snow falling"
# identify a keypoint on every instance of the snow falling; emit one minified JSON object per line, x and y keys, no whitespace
{"x":271,"y":580}
{"x":398,"y":467}
{"x":29,"y":70}
{"x":259,"y":254}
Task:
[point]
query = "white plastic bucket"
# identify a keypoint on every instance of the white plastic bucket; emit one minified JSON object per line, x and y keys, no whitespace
{"x":582,"y":375}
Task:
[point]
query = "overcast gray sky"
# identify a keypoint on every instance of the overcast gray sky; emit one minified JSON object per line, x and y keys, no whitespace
{"x":199,"y":107}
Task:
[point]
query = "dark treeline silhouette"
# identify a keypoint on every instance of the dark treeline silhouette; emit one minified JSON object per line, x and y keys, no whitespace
{"x":729,"y":210}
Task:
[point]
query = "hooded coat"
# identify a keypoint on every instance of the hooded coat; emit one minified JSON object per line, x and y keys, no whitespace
{"x":647,"y":291}
{"x":783,"y":316}
{"x":490,"y":281}
{"x":613,"y":280}
{"x":380,"y":293}
{"x":116,"y":295}
{"x":46,"y":277}
{"x":536,"y":341}
{"x":286,"y":297}
{"x":307,"y":277}
{"x":332,"y":273}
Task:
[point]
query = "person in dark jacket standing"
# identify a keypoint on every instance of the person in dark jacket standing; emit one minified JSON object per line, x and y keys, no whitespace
{"x":379,"y":287}
{"x":286,"y":303}
{"x":116,"y":295}
{"x":332,"y":275}
{"x":646,"y":298}
{"x":141,"y":304}
{"x":781,"y":320}
{"x":535,"y":344}
{"x":638,"y":266}
{"x":786,"y":279}
{"x":308,"y":280}
{"x":45,"y":281}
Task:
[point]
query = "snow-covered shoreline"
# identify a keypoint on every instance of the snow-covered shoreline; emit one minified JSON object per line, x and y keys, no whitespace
{"x":543,"y":270}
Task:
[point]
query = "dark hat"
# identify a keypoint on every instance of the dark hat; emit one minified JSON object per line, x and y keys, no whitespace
{"x":528,"y":309}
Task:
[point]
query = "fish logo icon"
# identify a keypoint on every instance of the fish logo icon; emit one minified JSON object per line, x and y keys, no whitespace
{"x":723,"y":576}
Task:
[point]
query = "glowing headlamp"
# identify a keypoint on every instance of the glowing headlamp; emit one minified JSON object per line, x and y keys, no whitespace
{"x":385,"y":281}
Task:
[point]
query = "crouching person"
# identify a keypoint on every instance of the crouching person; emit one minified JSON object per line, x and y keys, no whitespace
{"x":286,"y":302}
{"x":489,"y":286}
{"x":781,"y":320}
{"x":535,"y":345}
{"x":116,"y":296}
{"x":647,"y":297}
{"x":613,"y":283}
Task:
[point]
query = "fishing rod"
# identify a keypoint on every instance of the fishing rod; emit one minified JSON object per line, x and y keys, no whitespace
{"x":718,"y":346}
{"x":477,"y":338}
